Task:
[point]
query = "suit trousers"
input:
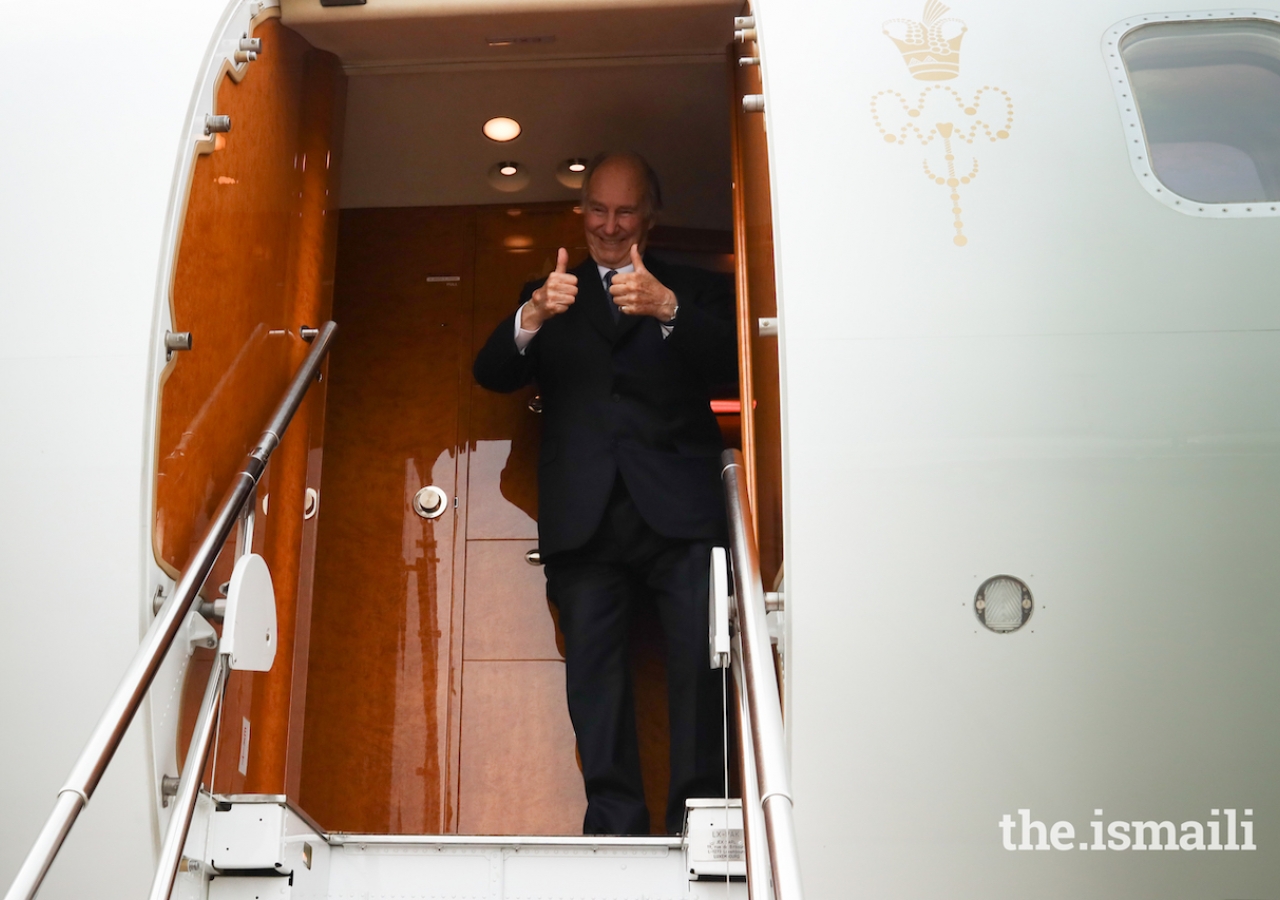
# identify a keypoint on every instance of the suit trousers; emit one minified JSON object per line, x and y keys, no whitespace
{"x":594,"y":588}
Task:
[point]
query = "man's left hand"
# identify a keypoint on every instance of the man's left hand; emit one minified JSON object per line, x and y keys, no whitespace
{"x":638,"y":293}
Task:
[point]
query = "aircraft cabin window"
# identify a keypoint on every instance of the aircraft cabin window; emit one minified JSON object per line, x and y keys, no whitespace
{"x":1200,"y":100}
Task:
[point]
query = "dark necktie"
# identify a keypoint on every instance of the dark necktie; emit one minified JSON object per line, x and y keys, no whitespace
{"x":613,"y":307}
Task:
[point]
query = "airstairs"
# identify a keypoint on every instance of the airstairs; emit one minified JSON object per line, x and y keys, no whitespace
{"x":254,"y":847}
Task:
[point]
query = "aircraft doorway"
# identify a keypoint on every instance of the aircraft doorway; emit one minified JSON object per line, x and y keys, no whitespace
{"x":435,"y":677}
{"x":425,"y":690}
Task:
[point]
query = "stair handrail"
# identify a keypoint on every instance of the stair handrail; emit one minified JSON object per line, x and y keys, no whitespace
{"x":759,"y":680}
{"x":164,"y":628}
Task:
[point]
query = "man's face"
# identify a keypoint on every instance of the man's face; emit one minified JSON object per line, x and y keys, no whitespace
{"x":614,"y":214}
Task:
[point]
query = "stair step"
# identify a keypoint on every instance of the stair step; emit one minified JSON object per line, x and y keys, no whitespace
{"x":260,"y":847}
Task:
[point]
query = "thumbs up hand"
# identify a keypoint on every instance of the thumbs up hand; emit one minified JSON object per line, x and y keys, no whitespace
{"x":638,"y":293}
{"x":553,"y":298}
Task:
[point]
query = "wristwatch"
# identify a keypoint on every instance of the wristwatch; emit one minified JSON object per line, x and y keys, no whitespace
{"x":675,"y":312}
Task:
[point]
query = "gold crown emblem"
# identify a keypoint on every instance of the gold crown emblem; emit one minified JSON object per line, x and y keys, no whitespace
{"x":930,"y":47}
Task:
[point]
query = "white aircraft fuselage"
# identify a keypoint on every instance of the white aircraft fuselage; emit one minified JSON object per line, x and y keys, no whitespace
{"x":1030,"y":429}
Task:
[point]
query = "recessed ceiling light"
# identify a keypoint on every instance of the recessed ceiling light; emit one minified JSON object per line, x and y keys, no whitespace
{"x":570,"y":172}
{"x":502,"y":129}
{"x":508,"y":176}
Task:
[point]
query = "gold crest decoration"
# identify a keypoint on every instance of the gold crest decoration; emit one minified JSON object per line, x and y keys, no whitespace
{"x":931,"y":50}
{"x":930,"y":47}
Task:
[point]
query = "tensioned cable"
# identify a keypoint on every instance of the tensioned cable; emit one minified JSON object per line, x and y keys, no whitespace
{"x":724,"y":743}
{"x":217,"y":732}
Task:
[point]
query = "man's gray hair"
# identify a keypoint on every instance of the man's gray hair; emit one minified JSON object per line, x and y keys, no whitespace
{"x":652,"y":187}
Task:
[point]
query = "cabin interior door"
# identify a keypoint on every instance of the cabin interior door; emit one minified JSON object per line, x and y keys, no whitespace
{"x":378,"y":754}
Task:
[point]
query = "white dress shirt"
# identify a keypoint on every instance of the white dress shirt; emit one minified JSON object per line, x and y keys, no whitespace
{"x":525,"y":335}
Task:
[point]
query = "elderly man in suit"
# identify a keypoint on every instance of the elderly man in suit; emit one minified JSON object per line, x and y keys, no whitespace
{"x":625,"y":349}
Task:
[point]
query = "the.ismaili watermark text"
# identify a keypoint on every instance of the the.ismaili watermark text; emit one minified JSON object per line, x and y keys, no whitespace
{"x":1224,"y":831}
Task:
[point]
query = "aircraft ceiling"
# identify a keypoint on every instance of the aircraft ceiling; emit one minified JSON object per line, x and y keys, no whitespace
{"x":579,"y":75}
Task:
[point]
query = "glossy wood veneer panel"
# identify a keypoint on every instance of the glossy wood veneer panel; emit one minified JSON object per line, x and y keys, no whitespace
{"x":376,"y":747}
{"x":753,"y":226}
{"x":730,"y":430}
{"x":507,"y":613}
{"x":257,"y":232}
{"x":229,"y":292}
{"x":519,"y":772}
{"x":321,"y":146}
{"x":278,"y":697}
{"x":534,"y":225}
{"x":503,"y":477}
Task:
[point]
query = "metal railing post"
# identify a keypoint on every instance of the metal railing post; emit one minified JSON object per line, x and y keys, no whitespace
{"x":760,"y":684}
{"x":759,"y":877}
{"x":184,"y":803}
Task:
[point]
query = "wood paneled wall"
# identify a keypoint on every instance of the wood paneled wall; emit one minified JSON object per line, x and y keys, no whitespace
{"x":757,"y":298}
{"x":255,"y":263}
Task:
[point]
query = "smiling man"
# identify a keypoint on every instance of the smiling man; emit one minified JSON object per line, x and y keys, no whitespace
{"x":625,"y":350}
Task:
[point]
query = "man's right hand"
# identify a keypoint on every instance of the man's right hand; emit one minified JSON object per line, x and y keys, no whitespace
{"x":552,"y":298}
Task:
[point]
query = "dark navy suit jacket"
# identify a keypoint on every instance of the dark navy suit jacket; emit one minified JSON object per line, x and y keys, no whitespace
{"x":620,"y":398}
